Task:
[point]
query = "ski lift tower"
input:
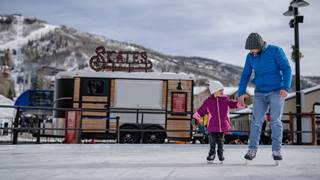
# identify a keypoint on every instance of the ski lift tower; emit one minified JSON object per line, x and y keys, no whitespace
{"x":19,"y":56}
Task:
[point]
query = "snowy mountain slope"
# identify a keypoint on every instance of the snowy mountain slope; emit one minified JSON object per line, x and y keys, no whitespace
{"x":33,"y":36}
{"x":13,"y":27}
{"x":44,"y":46}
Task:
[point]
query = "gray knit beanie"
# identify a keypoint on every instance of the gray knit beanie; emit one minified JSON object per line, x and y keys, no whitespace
{"x":254,"y":41}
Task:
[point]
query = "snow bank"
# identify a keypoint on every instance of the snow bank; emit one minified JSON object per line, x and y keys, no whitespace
{"x":6,"y":113}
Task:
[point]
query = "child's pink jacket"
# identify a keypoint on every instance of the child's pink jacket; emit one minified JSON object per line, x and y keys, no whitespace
{"x":217,"y":109}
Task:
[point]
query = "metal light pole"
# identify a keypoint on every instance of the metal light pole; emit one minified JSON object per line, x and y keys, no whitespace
{"x":294,"y":23}
{"x":297,"y":59}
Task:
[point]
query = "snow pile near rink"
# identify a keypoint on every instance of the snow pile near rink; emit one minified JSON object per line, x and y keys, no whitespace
{"x":6,"y":112}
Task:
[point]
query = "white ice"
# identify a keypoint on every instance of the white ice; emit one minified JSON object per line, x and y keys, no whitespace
{"x":168,"y":161}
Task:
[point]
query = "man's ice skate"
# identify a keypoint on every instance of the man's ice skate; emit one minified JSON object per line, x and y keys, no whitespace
{"x":277,"y":157}
{"x":251,"y":154}
{"x":210,"y":158}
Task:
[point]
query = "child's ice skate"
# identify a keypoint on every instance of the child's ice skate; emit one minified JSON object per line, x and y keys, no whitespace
{"x":277,"y":157}
{"x":251,"y":154}
{"x":210,"y":158}
{"x":220,"y":157}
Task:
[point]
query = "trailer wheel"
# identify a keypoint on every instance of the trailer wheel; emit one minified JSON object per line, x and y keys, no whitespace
{"x":151,"y":137}
{"x":128,"y":136}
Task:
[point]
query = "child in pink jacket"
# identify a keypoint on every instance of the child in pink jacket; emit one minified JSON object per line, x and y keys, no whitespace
{"x":217,"y":107}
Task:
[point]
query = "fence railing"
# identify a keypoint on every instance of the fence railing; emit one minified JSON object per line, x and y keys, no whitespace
{"x":15,"y":132}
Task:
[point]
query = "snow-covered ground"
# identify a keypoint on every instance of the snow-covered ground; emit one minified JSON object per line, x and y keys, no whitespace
{"x":6,"y":113}
{"x":168,"y":161}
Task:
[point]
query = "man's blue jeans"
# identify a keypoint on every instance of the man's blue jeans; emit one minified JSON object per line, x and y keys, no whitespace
{"x":260,"y":106}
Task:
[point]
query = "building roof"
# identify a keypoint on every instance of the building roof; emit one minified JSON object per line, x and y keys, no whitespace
{"x":305,"y":91}
{"x":227,"y":90}
{"x":250,"y":91}
{"x":124,"y":75}
{"x":230,"y":90}
{"x":199,"y":89}
{"x":245,"y":110}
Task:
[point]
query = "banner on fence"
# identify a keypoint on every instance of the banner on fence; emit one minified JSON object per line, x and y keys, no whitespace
{"x":72,"y":121}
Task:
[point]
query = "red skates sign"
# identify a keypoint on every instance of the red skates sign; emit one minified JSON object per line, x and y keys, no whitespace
{"x":119,"y":61}
{"x":179,"y":102}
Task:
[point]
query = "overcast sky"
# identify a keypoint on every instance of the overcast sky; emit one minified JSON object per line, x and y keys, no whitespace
{"x":214,"y":29}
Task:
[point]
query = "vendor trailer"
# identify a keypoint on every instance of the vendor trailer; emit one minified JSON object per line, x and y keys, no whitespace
{"x":168,"y":98}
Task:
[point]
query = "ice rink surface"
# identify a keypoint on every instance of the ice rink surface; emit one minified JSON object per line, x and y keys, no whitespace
{"x":167,"y":161}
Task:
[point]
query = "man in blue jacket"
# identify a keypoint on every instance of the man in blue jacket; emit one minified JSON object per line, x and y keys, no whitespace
{"x":272,"y":79}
